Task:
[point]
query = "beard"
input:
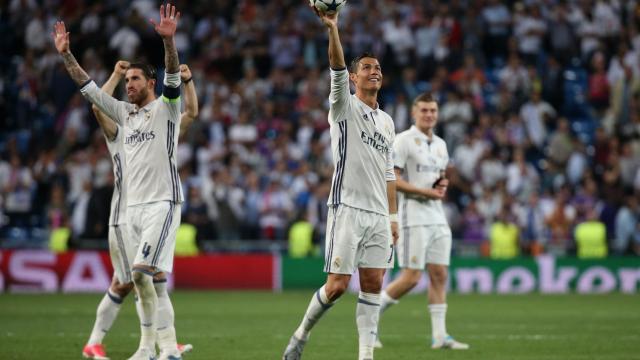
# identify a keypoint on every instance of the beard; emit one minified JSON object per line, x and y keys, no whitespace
{"x":139,"y":96}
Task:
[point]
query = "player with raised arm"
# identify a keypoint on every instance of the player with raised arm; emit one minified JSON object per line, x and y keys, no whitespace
{"x":362,"y":219}
{"x":121,"y":247}
{"x":154,"y":193}
{"x":421,"y":159}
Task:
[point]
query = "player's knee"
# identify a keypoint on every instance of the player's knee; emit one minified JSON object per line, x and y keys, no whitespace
{"x":335,"y":289}
{"x":122,"y":290}
{"x":372,"y":285}
{"x":141,"y":276}
{"x":411,"y":277}
{"x":438,"y":276}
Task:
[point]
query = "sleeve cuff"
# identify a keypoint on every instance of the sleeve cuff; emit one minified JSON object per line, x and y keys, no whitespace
{"x":172,"y":80}
{"x":84,"y":86}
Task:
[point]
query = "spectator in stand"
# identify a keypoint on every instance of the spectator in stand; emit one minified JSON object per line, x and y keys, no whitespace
{"x":196,"y":214}
{"x":562,"y":36}
{"x":536,"y":114}
{"x":275,"y":211}
{"x":514,"y":77}
{"x":455,"y":116}
{"x":497,"y":18}
{"x":17,"y":189}
{"x":522,"y":178}
{"x":598,"y":84}
{"x":560,"y":221}
{"x":473,"y":225}
{"x":529,"y":29}
{"x":627,"y":228}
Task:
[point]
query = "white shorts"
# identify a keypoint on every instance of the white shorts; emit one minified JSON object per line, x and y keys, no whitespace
{"x":421,"y":245}
{"x":122,"y":248}
{"x":155,"y":225}
{"x":357,"y":239}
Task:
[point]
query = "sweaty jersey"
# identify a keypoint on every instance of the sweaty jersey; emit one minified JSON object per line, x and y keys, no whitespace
{"x":150,"y":141}
{"x":422,"y":161}
{"x":118,"y":214}
{"x":361,"y":143}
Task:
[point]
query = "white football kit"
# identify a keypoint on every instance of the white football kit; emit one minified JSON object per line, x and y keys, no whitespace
{"x":358,"y":228}
{"x":154,"y":192}
{"x":122,"y":247}
{"x":425,"y":236}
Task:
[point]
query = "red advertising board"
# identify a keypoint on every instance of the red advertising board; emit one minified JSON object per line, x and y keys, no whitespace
{"x":91,"y":271}
{"x":218,"y":271}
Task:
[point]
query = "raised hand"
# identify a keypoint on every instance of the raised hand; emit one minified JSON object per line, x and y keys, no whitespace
{"x":168,"y":21}
{"x":121,"y":67}
{"x":185,"y":72}
{"x":327,"y":19}
{"x":60,"y":37}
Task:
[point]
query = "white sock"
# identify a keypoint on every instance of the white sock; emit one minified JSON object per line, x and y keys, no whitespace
{"x":165,"y":318}
{"x":386,"y":301}
{"x":367,"y":314}
{"x":438,"y":316}
{"x":148,"y":301}
{"x":318,"y":305}
{"x":106,"y":314}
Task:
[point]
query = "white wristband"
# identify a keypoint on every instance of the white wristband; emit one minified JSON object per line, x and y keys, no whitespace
{"x":393,"y":217}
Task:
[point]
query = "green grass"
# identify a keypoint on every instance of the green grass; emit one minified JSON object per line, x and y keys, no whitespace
{"x":257,"y":325}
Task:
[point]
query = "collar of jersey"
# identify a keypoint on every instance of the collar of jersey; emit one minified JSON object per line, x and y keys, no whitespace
{"x":423,"y":135}
{"x":145,"y":108}
{"x":367,"y":106}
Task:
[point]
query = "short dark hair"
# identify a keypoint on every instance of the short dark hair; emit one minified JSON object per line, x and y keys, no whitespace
{"x":147,"y":70}
{"x":425,"y":97}
{"x":353,"y":68}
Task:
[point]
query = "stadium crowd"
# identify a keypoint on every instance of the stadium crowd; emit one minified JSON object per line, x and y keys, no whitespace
{"x":539,"y":105}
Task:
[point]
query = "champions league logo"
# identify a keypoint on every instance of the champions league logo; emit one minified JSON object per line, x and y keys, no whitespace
{"x":138,"y":137}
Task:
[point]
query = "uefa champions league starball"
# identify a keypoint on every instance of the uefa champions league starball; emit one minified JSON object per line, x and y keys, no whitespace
{"x":328,"y":6}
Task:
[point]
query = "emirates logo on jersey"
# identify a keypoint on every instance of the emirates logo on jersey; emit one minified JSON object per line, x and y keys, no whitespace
{"x":138,"y":137}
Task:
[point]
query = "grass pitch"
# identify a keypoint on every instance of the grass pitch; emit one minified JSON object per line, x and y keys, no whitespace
{"x":257,"y":325}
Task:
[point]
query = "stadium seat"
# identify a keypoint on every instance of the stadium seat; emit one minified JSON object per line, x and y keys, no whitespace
{"x":186,"y":241}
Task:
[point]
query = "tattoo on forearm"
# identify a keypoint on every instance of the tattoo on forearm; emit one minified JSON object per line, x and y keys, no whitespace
{"x":78,"y":75}
{"x":171,"y":61}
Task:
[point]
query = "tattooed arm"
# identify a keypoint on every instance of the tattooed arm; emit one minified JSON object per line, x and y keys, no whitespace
{"x":167,"y":29}
{"x":61,"y":39}
{"x":111,"y":107}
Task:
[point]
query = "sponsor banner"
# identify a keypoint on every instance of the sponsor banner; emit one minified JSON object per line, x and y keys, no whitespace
{"x":544,"y":274}
{"x":224,"y":271}
{"x":90,"y":271}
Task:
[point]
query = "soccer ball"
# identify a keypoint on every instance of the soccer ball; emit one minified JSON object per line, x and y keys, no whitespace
{"x":328,"y":6}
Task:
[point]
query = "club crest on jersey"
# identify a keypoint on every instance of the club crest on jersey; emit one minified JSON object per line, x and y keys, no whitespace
{"x":365,"y":117}
{"x":337,"y":262}
{"x":138,"y":137}
{"x":417,"y":140}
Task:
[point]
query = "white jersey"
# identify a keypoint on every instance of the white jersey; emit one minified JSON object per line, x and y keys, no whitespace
{"x":150,"y":140}
{"x":361,"y":143}
{"x":422,"y":161}
{"x":118,"y":214}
